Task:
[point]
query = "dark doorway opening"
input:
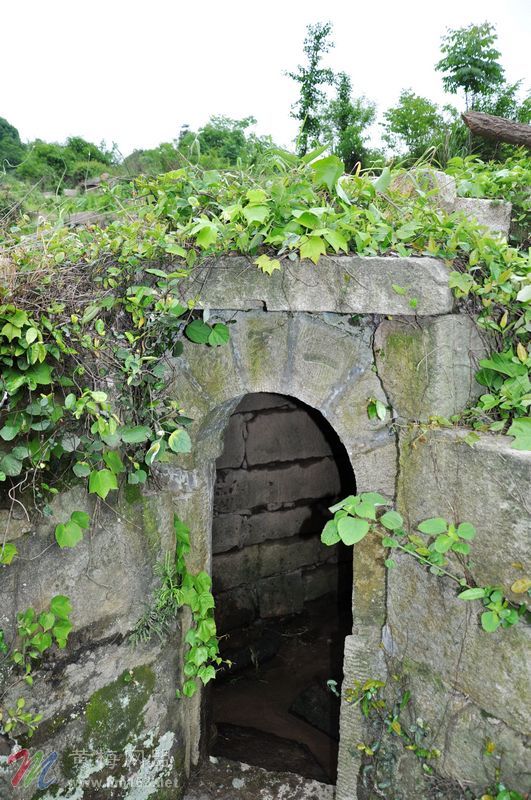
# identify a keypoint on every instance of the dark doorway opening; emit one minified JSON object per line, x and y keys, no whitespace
{"x":283,"y":599}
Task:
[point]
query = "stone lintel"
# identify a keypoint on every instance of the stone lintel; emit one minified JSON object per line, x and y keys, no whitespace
{"x":343,"y":284}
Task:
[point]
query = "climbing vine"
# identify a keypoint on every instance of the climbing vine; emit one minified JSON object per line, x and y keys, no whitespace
{"x":431,"y":545}
{"x":35,"y":636}
{"x":179,"y":588}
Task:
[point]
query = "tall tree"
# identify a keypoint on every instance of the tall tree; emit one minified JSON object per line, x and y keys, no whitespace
{"x":413,"y":125}
{"x":311,"y":77}
{"x":11,"y":148}
{"x":347,"y":120}
{"x":470,"y":62}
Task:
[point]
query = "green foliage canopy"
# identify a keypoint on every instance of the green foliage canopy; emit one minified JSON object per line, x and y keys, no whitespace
{"x":311,"y":77}
{"x":470,"y":62}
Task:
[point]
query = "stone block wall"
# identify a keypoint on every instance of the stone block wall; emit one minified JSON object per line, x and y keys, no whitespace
{"x":281,"y":467}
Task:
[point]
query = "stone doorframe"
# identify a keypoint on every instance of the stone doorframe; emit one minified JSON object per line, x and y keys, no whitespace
{"x":317,"y":343}
{"x":327,"y":363}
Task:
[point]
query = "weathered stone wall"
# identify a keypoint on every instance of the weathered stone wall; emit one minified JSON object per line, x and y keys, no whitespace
{"x":279,"y":471}
{"x":101,"y":698}
{"x":100,"y":695}
{"x":469,"y":686}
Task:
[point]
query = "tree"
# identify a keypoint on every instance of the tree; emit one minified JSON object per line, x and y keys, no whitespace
{"x":414,"y":125}
{"x":222,"y":142}
{"x":347,"y":120}
{"x":470,"y":62}
{"x":11,"y":148}
{"x":311,"y":77}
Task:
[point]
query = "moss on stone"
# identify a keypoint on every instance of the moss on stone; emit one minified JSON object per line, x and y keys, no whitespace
{"x":115,"y":713}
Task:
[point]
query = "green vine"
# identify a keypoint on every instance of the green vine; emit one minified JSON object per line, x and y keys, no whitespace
{"x":358,"y":515}
{"x":179,"y":588}
{"x":36,"y":634}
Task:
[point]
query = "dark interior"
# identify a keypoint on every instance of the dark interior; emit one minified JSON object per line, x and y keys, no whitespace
{"x":275,"y":704}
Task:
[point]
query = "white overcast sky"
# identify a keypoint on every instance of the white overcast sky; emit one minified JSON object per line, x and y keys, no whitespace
{"x":134,"y":72}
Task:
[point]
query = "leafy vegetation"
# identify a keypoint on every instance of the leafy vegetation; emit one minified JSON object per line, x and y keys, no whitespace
{"x":36,"y":635}
{"x":470,"y":62}
{"x":179,"y":588}
{"x":311,"y":78}
{"x":359,"y":515}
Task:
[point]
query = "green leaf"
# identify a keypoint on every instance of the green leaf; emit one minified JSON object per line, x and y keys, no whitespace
{"x":81,"y":518}
{"x":152,"y":453}
{"x":267,"y":264}
{"x":433,"y":526}
{"x":521,"y":430}
{"x":39,"y":374}
{"x":312,"y":247}
{"x":490,"y":621}
{"x":443,"y":543}
{"x":255,"y":213}
{"x":336,"y":240}
{"x":8,"y":551}
{"x":61,"y":606}
{"x":392,"y":520}
{"x":81,"y":469}
{"x":219,"y":334}
{"x":101,"y":482}
{"x":198,"y":655}
{"x":476,"y":593}
{"x":466,"y":531}
{"x":206,"y":629}
{"x":327,"y":171}
{"x":206,"y":234}
{"x":382,"y":183}
{"x":330,"y":535}
{"x":135,"y":435}
{"x":374,"y":498}
{"x":46,"y":620}
{"x":389,"y":541}
{"x":113,"y":461}
{"x":61,"y":630}
{"x":179,"y":441}
{"x":365,"y":509}
{"x":389,"y":563}
{"x":206,"y":674}
{"x":10,"y":465}
{"x":68,"y":534}
{"x":352,"y":530}
{"x":9,"y":431}
{"x":138,"y":476}
{"x":256,"y":196}
{"x":461,"y":547}
{"x":198,"y":331}
{"x":189,"y":688}
{"x":524,"y":295}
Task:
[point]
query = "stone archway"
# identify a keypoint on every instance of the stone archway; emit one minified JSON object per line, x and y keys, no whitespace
{"x":325,"y":361}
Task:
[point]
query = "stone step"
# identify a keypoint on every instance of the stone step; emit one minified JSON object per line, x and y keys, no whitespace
{"x":221,"y":779}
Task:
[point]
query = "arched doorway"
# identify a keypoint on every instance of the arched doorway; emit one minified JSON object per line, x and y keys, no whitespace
{"x":283,"y":600}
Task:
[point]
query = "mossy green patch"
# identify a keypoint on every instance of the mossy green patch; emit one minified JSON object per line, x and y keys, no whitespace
{"x":115,"y":714}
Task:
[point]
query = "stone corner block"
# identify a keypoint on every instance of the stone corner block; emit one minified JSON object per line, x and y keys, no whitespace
{"x":428,"y":367}
{"x":493,"y":214}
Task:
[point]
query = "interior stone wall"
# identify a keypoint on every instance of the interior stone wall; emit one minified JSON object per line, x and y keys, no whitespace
{"x":279,"y":471}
